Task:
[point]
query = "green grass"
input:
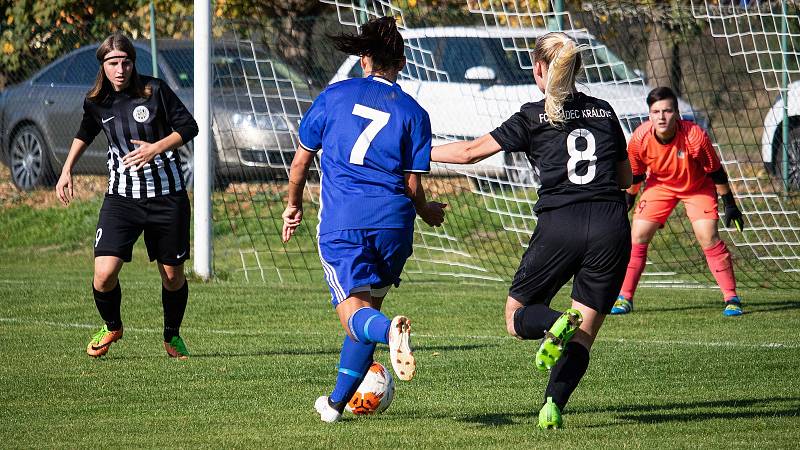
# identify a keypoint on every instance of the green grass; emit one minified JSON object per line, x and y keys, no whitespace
{"x":675,"y":374}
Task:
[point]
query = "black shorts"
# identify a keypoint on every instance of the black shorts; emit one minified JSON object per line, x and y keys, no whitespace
{"x":590,"y":241}
{"x":164,"y":220}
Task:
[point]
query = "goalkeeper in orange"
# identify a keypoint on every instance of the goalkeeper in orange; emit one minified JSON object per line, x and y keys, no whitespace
{"x":676,"y":160}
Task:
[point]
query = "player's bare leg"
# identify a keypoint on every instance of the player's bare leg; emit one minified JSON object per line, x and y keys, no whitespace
{"x":361,"y":319}
{"x":528,"y":321}
{"x":399,"y":335}
{"x":106,"y":272}
{"x":539,"y":321}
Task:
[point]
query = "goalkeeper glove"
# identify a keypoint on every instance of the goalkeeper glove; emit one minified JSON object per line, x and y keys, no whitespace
{"x":630,"y":199}
{"x":732,"y":213}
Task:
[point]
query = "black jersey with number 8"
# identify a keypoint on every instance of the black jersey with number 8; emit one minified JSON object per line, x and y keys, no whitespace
{"x":575,"y":162}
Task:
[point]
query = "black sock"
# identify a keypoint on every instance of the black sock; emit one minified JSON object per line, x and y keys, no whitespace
{"x":340,"y":405}
{"x":530,"y":322}
{"x":174,"y":303}
{"x":567,"y":373}
{"x":108,"y":304}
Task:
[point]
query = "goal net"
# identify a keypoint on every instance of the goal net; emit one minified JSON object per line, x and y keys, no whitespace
{"x":733,"y":65}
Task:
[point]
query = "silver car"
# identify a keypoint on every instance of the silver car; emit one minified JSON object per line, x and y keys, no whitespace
{"x":257,"y":103}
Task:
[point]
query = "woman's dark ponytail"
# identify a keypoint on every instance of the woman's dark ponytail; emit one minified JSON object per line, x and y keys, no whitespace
{"x":379,"y":39}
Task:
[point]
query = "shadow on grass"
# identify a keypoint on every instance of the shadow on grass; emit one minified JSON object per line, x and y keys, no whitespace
{"x":773,"y":306}
{"x":277,"y":352}
{"x":497,"y":419}
{"x":694,"y":411}
{"x":697,"y":307}
{"x":744,"y":409}
{"x":452,"y":348}
{"x":334,"y":352}
{"x":669,"y":412}
{"x":749,"y":308}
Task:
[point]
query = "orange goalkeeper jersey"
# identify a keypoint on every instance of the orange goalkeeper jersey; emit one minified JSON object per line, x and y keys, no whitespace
{"x":681,"y":165}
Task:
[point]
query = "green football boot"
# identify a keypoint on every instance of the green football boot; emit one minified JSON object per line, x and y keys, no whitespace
{"x":176,"y":348}
{"x":550,"y":416}
{"x":556,"y":338}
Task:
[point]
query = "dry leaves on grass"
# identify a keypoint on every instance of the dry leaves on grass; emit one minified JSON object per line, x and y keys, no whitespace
{"x":84,"y":186}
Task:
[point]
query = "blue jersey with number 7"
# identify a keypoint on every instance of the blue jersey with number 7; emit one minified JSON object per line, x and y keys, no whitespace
{"x":371,"y":133}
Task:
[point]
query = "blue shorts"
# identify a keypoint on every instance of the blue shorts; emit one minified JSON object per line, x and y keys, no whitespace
{"x":364,"y":260}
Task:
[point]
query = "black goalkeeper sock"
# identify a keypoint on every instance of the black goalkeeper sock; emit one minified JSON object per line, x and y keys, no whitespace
{"x":108,"y":305}
{"x":174,"y":303}
{"x":567,"y":373}
{"x":530,"y":322}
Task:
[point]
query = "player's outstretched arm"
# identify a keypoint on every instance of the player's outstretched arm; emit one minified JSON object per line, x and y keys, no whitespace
{"x":430,"y":212}
{"x":64,"y":190}
{"x":293,"y":214}
{"x":466,"y":152}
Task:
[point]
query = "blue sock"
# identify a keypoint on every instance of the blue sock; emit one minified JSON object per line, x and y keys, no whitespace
{"x":354,"y":361}
{"x":369,"y":325}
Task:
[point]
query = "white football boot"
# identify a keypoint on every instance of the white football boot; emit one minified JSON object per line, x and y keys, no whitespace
{"x":326,"y":413}
{"x":400,"y":353}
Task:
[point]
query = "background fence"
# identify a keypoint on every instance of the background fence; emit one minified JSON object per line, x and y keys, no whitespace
{"x":733,"y":64}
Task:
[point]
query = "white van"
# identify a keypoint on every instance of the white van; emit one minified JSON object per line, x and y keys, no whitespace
{"x":772,"y":139}
{"x":470,"y":79}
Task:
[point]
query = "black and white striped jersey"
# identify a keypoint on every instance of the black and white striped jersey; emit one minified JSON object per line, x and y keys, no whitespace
{"x":122,"y":118}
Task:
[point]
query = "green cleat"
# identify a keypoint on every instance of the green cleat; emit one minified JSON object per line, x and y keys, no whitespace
{"x":176,"y":348}
{"x":550,"y":416}
{"x":556,"y":338}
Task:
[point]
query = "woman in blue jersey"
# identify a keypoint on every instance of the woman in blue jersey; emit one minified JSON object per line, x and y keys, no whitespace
{"x":577,"y":147}
{"x":376,"y":143}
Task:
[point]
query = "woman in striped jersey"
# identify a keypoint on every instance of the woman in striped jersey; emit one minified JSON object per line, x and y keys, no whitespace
{"x":144,"y":122}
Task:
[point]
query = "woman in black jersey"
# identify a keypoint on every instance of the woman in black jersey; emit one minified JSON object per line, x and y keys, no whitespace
{"x":144,"y":122}
{"x":577,"y":147}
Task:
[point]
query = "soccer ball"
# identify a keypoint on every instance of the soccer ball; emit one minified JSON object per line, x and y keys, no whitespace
{"x":374,"y":394}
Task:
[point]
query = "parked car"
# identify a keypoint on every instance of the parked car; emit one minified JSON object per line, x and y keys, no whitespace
{"x":470,"y":79}
{"x":772,"y":149}
{"x":256,"y":105}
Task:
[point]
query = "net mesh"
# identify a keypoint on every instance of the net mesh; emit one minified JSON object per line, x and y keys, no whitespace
{"x":733,"y":64}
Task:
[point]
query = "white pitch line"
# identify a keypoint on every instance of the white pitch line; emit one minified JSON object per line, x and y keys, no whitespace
{"x":646,"y":342}
{"x":767,"y":345}
{"x":92,"y":326}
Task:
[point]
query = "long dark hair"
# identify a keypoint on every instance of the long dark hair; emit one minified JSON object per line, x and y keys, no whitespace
{"x":102,"y":87}
{"x":378,"y":39}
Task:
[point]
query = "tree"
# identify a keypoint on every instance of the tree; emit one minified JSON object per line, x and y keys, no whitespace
{"x":289,"y":25}
{"x":35,"y":32}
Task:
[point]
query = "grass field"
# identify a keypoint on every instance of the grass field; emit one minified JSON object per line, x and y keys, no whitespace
{"x":675,"y":374}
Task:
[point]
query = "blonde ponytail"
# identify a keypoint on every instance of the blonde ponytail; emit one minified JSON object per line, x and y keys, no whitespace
{"x":563,"y":60}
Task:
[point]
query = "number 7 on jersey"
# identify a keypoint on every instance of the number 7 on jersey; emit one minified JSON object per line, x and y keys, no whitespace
{"x":379,"y":119}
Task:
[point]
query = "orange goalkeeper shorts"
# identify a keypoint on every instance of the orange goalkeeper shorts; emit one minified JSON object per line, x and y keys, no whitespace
{"x":657,"y":202}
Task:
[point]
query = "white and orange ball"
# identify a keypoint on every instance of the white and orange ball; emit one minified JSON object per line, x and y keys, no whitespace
{"x":375,"y":393}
